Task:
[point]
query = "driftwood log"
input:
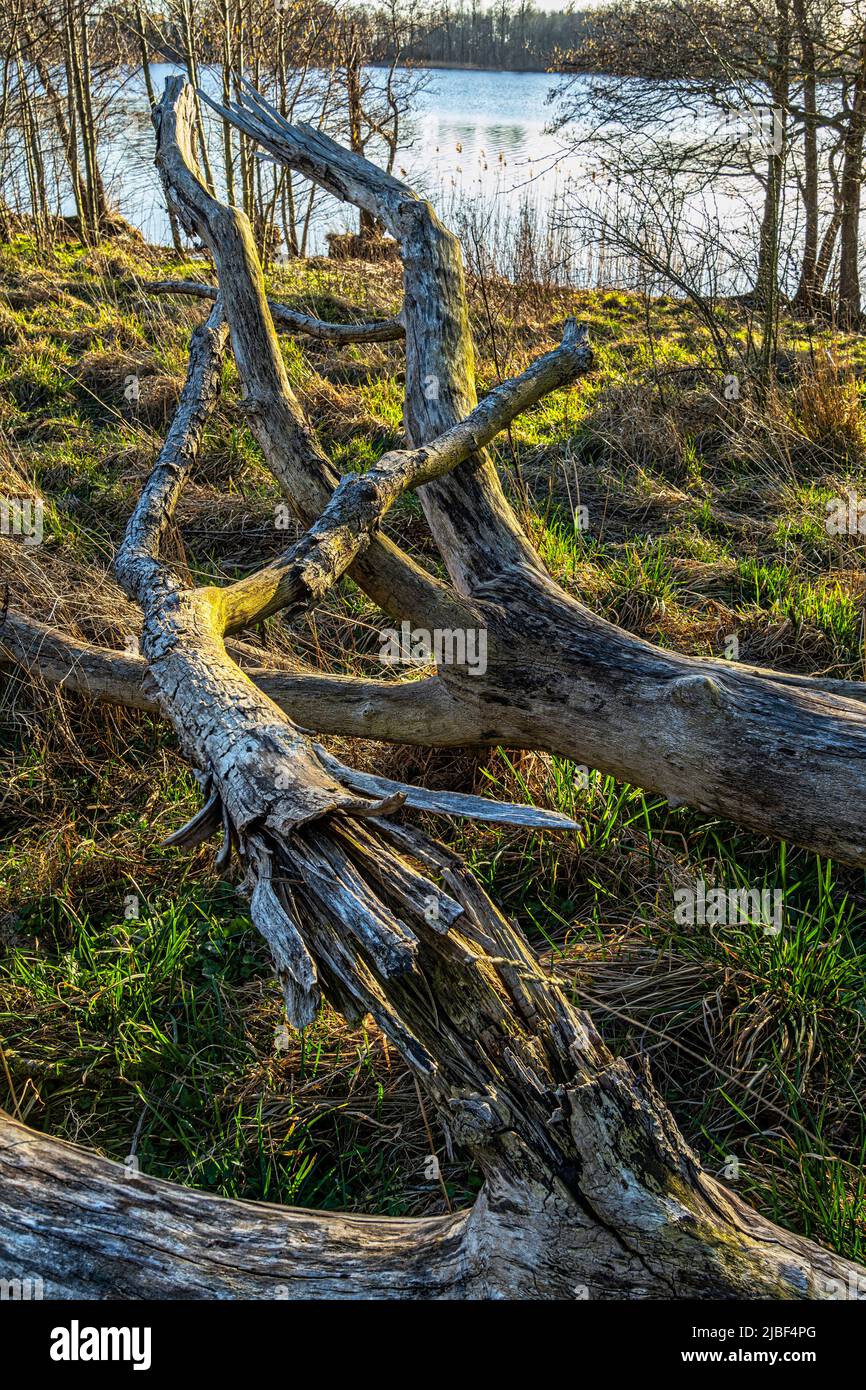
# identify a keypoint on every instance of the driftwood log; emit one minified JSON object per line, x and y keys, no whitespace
{"x":589,"y":1189}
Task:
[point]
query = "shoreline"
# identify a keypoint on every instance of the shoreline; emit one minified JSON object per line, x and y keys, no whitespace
{"x":429,"y":66}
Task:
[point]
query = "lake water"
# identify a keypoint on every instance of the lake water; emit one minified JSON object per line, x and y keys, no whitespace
{"x":478,"y":144}
{"x":472,"y":136}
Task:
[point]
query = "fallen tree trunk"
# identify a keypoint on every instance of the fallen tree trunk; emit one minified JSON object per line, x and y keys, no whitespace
{"x":589,"y":1189}
{"x":292,"y":320}
{"x":785,"y":761}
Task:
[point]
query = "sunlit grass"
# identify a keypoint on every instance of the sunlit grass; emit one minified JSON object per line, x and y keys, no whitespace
{"x":160,"y":1034}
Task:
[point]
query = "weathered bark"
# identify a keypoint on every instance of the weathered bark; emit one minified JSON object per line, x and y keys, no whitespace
{"x":589,"y":1186}
{"x":421,"y":712}
{"x":396,"y":582}
{"x":291,"y":320}
{"x":706,"y":733}
{"x":475,"y":528}
{"x":358,"y":507}
{"x":425,"y":712}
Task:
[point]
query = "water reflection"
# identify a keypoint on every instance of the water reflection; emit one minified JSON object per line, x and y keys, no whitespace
{"x":476,"y":145}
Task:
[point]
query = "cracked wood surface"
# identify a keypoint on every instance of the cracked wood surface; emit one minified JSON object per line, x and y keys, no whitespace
{"x":588,"y":1183}
{"x":784,"y":757}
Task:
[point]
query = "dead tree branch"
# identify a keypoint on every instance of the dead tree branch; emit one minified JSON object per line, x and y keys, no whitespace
{"x":588,"y":1183}
{"x":292,"y":320}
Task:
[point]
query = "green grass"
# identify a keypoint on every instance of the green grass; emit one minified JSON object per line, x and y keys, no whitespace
{"x":162,"y":1035}
{"x":757,"y":1037}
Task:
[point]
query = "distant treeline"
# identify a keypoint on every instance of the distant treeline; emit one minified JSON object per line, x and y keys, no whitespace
{"x":354,"y":70}
{"x":512,"y":34}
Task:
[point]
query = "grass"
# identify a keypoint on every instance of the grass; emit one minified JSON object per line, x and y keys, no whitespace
{"x":158,"y":1034}
{"x":137,"y":1011}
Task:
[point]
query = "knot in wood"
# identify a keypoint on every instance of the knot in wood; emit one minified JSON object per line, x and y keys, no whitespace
{"x":476,"y":1119}
{"x":697,"y":690}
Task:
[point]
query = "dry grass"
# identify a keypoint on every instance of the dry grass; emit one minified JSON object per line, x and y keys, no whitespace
{"x":161,"y":1034}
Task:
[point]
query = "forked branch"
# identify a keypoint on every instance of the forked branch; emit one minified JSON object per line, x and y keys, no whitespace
{"x":780,"y":756}
{"x":359,"y":505}
{"x":588,"y":1183}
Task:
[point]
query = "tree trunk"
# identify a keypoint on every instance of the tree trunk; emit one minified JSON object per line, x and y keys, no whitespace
{"x":589,"y":1189}
{"x":366,"y":221}
{"x":852,"y":180}
{"x":808,"y":287}
{"x":767,"y":286}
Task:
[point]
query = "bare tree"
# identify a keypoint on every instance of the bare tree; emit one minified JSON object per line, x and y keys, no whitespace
{"x":794,"y":65}
{"x":376,"y":105}
{"x":852,"y":181}
{"x":55,"y":112}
